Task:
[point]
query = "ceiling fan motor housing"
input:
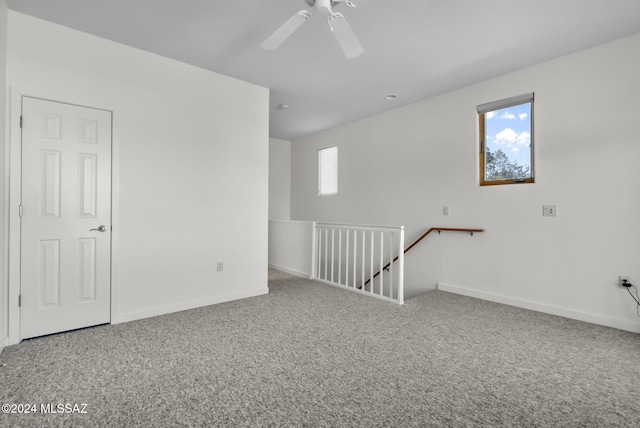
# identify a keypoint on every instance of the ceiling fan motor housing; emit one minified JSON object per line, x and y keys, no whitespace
{"x":323,"y":6}
{"x":312,"y":3}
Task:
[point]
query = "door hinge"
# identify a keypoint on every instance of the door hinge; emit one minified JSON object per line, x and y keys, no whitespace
{"x":21,"y":122}
{"x":19,"y":300}
{"x":20,"y":210}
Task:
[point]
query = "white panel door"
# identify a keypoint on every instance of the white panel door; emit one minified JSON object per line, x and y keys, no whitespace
{"x":66,"y":217}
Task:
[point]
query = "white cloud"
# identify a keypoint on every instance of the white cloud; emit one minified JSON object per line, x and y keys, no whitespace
{"x":523,"y":116}
{"x":512,"y":140}
{"x":524,"y":139}
{"x":490,"y":114}
{"x":506,"y":137}
{"x":507,"y":115}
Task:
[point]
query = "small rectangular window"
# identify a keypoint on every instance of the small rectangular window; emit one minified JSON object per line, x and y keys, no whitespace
{"x":506,"y":141}
{"x":328,"y":171}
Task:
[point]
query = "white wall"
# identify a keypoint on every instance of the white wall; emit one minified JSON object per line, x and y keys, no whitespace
{"x":191,"y":151}
{"x":279,"y":179}
{"x":4,"y":334}
{"x":403,"y":166}
{"x":290,"y":246}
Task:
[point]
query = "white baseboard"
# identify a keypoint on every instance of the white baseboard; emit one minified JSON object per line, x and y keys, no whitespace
{"x":545,"y":308}
{"x":291,"y":271}
{"x":163,"y":310}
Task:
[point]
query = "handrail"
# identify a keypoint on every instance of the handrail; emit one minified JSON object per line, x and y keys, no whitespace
{"x":424,"y":235}
{"x":368,"y":227}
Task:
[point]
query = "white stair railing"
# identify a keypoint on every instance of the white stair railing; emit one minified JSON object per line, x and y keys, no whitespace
{"x":355,"y":257}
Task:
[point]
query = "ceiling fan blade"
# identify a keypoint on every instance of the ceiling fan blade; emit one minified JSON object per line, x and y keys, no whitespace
{"x":345,"y":36}
{"x":286,"y":30}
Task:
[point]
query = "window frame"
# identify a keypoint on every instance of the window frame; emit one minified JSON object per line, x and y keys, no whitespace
{"x":498,"y":105}
{"x":320,"y":170}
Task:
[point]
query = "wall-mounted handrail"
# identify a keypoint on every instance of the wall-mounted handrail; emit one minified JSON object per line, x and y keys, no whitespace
{"x":424,"y":235}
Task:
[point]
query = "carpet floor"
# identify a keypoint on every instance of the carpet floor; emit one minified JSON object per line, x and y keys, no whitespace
{"x":311,"y":355}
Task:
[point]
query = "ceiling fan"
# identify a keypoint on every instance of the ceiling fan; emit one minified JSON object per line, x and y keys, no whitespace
{"x":338,"y":24}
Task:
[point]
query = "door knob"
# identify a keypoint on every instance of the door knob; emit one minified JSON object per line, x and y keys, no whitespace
{"x":100,"y":228}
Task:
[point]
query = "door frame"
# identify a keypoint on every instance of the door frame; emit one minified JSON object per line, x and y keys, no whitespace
{"x":15,"y":199}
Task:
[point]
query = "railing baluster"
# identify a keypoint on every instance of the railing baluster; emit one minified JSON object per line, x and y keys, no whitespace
{"x":313,"y":251}
{"x":333,"y":249}
{"x":326,"y":248}
{"x":401,"y":267}
{"x":391,"y":239}
{"x":318,"y":250}
{"x":346,"y":262}
{"x":371,"y":265}
{"x":339,"y":256}
{"x":364,"y":241}
{"x":319,"y":253}
{"x":355,"y":258}
{"x":381,"y":261}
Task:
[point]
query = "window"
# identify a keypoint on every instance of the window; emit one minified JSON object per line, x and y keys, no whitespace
{"x":328,"y":171}
{"x":506,"y":141}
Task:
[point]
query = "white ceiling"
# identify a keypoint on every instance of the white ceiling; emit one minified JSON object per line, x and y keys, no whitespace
{"x":413,"y":48}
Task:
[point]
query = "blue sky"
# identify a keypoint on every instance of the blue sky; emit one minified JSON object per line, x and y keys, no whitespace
{"x":509,"y":129}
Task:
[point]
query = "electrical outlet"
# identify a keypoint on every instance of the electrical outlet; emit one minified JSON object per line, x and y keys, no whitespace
{"x":220,"y":266}
{"x":550,"y":210}
{"x":446,"y":210}
{"x":622,"y":279}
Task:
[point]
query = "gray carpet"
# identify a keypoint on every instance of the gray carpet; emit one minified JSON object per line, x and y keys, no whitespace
{"x":312,"y":355}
